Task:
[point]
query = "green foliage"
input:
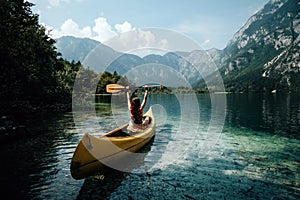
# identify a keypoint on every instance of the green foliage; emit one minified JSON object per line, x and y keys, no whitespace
{"x":106,"y":78}
{"x":65,"y":76}
{"x":86,"y":79}
{"x":29,"y":54}
{"x":32,"y":75}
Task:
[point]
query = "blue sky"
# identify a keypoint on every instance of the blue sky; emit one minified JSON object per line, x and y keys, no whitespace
{"x":210,"y":23}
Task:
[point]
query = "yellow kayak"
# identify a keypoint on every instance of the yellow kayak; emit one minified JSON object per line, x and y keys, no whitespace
{"x":96,"y":153}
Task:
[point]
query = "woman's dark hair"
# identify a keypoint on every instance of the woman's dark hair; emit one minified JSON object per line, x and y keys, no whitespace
{"x":135,"y":110}
{"x":136,"y":103}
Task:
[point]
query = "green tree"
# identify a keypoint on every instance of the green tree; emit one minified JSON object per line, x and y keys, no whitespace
{"x":106,"y":78}
{"x":65,"y":75}
{"x":28,"y":56}
{"x":32,"y":73}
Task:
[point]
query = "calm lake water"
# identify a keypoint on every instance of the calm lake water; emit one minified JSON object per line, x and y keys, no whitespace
{"x":255,"y":156}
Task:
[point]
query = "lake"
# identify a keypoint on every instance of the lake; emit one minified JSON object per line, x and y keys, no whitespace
{"x":207,"y":146}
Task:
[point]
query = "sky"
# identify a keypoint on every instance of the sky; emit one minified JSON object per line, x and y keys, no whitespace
{"x":210,"y":23}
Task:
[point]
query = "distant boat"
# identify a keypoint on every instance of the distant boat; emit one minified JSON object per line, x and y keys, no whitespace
{"x":223,"y":92}
{"x":274,"y":91}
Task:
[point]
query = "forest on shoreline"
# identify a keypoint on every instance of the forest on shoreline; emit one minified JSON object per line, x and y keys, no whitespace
{"x":35,"y":79}
{"x":34,"y":75}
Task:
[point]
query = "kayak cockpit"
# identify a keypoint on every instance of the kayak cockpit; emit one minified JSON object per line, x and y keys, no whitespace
{"x":119,"y":133}
{"x":123,"y":130}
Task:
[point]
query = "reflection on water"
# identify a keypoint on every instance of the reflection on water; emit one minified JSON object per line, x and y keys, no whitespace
{"x":256,"y":157}
{"x":37,"y":167}
{"x":274,"y":113}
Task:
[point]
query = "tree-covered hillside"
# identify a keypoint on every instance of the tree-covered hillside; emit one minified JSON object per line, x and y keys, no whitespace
{"x":33,"y":74}
{"x":34,"y":77}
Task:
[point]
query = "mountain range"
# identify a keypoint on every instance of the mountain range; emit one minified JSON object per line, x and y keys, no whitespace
{"x":264,"y":53}
{"x":262,"y":56}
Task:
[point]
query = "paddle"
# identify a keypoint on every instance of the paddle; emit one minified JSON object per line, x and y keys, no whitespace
{"x":114,"y":88}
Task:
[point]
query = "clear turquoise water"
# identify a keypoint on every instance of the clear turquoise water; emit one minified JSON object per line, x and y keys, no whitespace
{"x":256,"y":156}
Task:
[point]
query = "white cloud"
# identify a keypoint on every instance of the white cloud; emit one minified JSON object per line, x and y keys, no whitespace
{"x":126,"y":37}
{"x":138,"y":42}
{"x":205,"y":43}
{"x":103,"y":30}
{"x":69,"y":27}
{"x":53,"y":3}
{"x":125,"y":27}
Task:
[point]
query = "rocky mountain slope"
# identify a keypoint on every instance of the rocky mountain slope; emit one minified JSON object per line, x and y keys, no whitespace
{"x":73,"y":48}
{"x":191,"y":65}
{"x":264,"y":53}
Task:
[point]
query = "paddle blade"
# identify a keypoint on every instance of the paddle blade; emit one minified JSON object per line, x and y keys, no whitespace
{"x":113,"y":88}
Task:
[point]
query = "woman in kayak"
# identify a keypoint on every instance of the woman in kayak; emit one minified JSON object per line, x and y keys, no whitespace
{"x":136,"y":113}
